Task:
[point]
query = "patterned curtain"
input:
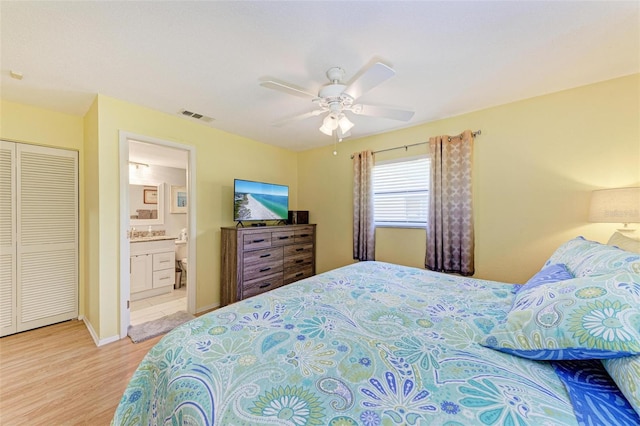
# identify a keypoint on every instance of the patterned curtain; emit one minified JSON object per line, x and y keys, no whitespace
{"x":450,"y":239}
{"x":364,"y":230}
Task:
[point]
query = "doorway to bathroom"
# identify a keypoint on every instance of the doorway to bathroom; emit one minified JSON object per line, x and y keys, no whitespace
{"x":157,"y":221}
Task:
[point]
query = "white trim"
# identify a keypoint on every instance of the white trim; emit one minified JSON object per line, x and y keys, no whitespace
{"x":94,"y":335}
{"x":192,"y":230}
{"x":402,"y":159}
{"x":125,"y":255}
{"x":125,"y":285}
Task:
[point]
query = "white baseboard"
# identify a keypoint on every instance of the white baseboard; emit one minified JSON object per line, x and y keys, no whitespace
{"x":207,"y":308}
{"x":94,"y":335}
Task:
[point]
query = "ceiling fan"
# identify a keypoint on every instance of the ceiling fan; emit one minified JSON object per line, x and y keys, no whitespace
{"x":336,"y":98}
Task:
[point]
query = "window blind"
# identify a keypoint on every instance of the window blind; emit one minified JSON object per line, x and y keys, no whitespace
{"x":401,"y":192}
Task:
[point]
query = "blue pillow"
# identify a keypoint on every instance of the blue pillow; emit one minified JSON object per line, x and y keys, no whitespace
{"x":595,"y":317}
{"x":596,"y":398}
{"x":547,"y":275}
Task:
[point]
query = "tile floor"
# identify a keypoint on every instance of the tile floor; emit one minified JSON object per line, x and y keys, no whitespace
{"x":159,"y":306}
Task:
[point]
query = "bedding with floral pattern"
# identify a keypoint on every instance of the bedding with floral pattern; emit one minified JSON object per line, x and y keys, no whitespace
{"x":366,"y":344}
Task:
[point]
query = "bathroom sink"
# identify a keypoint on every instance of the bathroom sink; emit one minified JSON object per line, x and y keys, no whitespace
{"x":152,"y":238}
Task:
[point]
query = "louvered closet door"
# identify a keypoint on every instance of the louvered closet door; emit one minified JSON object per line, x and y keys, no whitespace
{"x":7,"y":238}
{"x":47,"y":237}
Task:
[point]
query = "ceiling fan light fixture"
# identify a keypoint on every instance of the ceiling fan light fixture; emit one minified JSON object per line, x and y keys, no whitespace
{"x":345,"y":124}
{"x":329,"y":124}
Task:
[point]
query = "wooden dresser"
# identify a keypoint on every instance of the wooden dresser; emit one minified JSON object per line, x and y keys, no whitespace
{"x":258,"y":259}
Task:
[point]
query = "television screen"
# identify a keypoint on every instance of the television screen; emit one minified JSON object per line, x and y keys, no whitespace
{"x":260,"y":201}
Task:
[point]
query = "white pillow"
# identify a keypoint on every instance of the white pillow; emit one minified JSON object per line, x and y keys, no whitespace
{"x":625,"y":243}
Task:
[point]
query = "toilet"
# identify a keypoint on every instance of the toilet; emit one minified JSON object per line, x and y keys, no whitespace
{"x":183,"y":267}
{"x":181,"y":263}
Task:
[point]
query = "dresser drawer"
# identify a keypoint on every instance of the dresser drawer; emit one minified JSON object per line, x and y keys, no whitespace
{"x":256,"y":241}
{"x":281,"y":238}
{"x":262,"y":269}
{"x":298,"y":260}
{"x":298,"y":249}
{"x":262,"y":256}
{"x":295,"y":274}
{"x":303,"y":235}
{"x":164,"y":261}
{"x":164,"y":278}
{"x":260,"y":285}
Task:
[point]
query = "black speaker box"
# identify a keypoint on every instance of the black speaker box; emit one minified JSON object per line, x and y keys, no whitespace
{"x":297,"y":217}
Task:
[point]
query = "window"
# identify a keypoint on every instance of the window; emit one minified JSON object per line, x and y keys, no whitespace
{"x":401,"y":192}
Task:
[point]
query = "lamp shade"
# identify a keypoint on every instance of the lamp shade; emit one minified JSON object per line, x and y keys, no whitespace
{"x":329,"y":124}
{"x":619,"y":205}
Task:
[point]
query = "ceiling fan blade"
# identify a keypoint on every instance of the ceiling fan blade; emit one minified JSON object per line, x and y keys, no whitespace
{"x":369,"y":78}
{"x":287,"y":88}
{"x":376,"y":111}
{"x":298,"y":117}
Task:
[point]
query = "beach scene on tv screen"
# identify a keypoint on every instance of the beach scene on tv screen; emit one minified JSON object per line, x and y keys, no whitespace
{"x":260,"y":201}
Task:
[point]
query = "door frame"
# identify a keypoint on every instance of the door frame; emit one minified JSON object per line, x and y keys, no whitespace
{"x":125,"y":285}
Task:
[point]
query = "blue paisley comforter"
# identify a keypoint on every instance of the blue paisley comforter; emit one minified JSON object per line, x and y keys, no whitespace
{"x":367,"y":344}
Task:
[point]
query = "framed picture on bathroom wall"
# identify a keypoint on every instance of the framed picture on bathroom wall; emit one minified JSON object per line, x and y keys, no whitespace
{"x":150,"y":196}
{"x":178,"y":199}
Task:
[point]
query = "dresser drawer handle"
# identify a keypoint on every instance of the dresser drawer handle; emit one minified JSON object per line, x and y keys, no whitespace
{"x":299,"y":260}
{"x":283,"y":238}
{"x":265,"y":285}
{"x":304,"y":235}
{"x":257,"y":241}
{"x":265,"y":255}
{"x":299,"y":249}
{"x":299,"y":274}
{"x":265,"y":269}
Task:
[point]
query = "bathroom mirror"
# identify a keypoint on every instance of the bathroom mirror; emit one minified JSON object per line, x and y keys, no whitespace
{"x":146,"y":204}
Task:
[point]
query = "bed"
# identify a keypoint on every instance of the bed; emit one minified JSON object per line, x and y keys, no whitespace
{"x":381,"y":344}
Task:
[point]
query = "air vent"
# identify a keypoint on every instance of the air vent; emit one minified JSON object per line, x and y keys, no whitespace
{"x":195,"y":115}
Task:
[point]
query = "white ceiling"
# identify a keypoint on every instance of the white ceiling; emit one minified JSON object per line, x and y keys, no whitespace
{"x":209,"y":56}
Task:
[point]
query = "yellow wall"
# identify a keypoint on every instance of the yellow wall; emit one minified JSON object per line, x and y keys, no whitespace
{"x":37,"y":126}
{"x":91,"y":211}
{"x":220,"y":157}
{"x":535,"y":165}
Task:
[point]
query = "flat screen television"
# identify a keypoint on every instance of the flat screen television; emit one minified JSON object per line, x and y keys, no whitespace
{"x":259,"y":201}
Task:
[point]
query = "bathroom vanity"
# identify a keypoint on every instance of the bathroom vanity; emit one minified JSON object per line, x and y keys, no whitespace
{"x":152,"y":266}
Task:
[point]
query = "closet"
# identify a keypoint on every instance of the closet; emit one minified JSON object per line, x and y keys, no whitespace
{"x":38,"y":236}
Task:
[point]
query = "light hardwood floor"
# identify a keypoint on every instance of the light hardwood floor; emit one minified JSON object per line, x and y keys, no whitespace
{"x":56,"y":375}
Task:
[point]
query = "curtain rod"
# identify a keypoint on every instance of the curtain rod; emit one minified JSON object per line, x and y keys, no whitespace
{"x":475,"y":134}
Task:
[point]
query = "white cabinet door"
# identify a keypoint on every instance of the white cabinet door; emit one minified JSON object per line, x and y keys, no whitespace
{"x":47,"y":245}
{"x":141,"y":272}
{"x":7,"y":238}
